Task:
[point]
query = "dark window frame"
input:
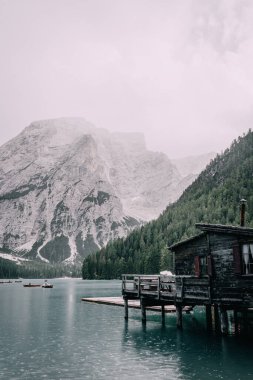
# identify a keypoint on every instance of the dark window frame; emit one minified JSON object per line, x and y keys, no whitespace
{"x":241,"y":256}
{"x":247,"y":258}
{"x":202,"y":266}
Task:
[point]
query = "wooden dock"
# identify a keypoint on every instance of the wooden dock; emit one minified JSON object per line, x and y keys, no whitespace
{"x":134,"y":304}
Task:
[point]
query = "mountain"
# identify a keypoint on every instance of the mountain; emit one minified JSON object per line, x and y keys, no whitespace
{"x":212,"y":198}
{"x":193,"y":165}
{"x":67,"y":188}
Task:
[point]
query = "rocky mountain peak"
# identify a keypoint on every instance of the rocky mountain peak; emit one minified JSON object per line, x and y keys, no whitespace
{"x":67,"y":188}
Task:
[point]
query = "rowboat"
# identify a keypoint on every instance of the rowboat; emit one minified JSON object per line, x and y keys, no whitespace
{"x":31,"y":285}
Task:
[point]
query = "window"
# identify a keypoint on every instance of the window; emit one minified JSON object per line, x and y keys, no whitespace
{"x":247,"y":258}
{"x":202,"y":266}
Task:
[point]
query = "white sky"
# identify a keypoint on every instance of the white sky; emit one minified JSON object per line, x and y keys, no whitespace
{"x":180,"y":71}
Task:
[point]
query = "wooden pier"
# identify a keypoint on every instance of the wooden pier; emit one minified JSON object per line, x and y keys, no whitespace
{"x":132,"y":304}
{"x":153,"y":292}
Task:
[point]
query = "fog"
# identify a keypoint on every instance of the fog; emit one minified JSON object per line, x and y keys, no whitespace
{"x":179,"y":71}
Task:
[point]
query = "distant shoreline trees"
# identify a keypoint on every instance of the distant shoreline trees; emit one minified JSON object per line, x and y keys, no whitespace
{"x":35,"y":269}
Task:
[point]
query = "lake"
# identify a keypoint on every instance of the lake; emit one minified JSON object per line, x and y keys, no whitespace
{"x":52,"y":334}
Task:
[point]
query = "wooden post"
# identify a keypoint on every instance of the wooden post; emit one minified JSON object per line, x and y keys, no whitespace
{"x":179,"y":316}
{"x":126,"y":307}
{"x":139,"y":286}
{"x":182,"y":289}
{"x":245,"y":320}
{"x":208,"y":317}
{"x":122,"y":284}
{"x":163,"y":314}
{"x":236,"y":321}
{"x":223,"y":320}
{"x":143,"y":312}
{"x":216,"y":318}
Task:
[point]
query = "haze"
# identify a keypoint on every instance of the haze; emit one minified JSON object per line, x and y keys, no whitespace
{"x":179,"y":71}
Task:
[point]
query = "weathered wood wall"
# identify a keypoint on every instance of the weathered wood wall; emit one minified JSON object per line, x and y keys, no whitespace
{"x":226,"y":286}
{"x":184,"y":256}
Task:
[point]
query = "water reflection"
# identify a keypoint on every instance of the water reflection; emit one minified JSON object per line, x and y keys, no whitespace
{"x":70,"y":306}
{"x":192,"y":353}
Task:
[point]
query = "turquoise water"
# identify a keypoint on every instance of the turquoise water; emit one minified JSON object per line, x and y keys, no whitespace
{"x":52,"y":334}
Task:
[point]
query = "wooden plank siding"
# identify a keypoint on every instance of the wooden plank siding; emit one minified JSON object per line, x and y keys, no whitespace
{"x":224,"y":270}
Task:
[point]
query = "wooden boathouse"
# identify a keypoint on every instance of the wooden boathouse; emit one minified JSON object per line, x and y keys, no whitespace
{"x":212,"y":269}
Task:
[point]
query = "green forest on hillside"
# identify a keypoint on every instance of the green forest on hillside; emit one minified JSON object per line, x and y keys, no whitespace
{"x":213,"y":198}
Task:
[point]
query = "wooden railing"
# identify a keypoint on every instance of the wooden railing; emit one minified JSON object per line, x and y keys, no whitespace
{"x":153,"y":285}
{"x":183,"y":288}
{"x":190,"y":288}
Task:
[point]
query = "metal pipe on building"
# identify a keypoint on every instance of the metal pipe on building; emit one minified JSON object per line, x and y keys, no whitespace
{"x":242,"y":212}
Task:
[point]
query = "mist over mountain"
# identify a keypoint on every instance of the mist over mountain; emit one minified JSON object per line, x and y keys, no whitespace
{"x":193,"y":165}
{"x":67,"y":188}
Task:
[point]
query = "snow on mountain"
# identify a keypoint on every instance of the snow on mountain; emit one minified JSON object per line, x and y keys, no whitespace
{"x":17,"y":259}
{"x":67,"y":188}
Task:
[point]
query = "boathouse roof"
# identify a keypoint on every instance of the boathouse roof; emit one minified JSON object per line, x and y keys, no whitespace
{"x":220,"y":228}
{"x":216,"y":228}
{"x":182,"y":242}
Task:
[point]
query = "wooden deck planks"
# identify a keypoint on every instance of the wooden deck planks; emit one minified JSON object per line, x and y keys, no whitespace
{"x":134,"y":304}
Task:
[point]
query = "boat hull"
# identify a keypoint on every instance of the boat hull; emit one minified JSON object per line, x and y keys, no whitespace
{"x":31,"y":286}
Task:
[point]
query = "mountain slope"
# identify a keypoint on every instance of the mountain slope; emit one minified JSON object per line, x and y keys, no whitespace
{"x":213,"y":198}
{"x":67,"y":188}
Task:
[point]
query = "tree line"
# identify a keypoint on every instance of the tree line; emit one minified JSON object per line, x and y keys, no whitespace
{"x":35,"y":269}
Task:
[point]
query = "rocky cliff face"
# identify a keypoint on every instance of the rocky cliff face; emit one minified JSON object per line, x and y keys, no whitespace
{"x":67,"y":188}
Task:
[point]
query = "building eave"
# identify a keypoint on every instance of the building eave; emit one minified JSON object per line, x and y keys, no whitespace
{"x":216,"y":228}
{"x":182,"y":242}
{"x":220,"y":228}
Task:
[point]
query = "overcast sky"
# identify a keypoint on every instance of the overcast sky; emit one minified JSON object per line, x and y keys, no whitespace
{"x":180,"y":71}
